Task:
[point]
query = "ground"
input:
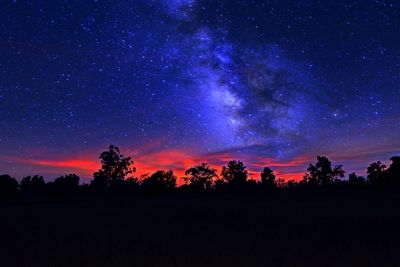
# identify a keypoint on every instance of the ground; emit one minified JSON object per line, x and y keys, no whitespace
{"x":271,"y":229}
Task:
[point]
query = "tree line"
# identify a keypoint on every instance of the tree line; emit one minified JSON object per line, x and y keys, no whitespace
{"x":116,"y":176}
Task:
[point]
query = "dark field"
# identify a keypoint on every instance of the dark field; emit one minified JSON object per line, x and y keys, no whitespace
{"x":278,"y":229}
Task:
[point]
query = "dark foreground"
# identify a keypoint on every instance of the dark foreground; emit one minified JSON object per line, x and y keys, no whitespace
{"x":279,"y":229}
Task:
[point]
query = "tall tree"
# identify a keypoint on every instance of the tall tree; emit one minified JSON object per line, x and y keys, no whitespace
{"x":268,"y":178}
{"x":376,"y":173}
{"x":114,"y":167}
{"x":234,"y":173}
{"x":322,"y":173}
{"x":201,"y":176}
{"x":393,"y":172}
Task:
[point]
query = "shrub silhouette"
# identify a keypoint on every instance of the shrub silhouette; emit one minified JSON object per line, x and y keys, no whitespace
{"x":129,"y":185}
{"x":355,"y":180}
{"x":160,"y":181}
{"x":220,"y":185}
{"x":200,"y":177}
{"x":8,"y":185}
{"x":291,"y":184}
{"x":65,"y":185}
{"x":32,"y":185}
{"x":114,"y":168}
{"x":322,"y":173}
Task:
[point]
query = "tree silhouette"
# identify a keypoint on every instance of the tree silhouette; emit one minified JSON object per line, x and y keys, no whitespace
{"x":160,"y":181}
{"x":234,"y":173}
{"x":128,"y":185}
{"x":67,"y":184}
{"x":355,"y":180}
{"x":267,"y":178}
{"x":322,"y":173}
{"x":114,"y":176}
{"x":114,"y":167}
{"x":201,"y":176}
{"x":376,"y":173}
{"x":220,"y":184}
{"x":393,"y":172}
{"x":291,"y":184}
{"x":8,"y":185}
{"x":32,"y":185}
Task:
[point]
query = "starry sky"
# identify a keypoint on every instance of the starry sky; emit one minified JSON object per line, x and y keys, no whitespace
{"x":177,"y":82}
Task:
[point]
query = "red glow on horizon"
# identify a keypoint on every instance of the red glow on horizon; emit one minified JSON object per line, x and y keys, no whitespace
{"x":178,"y":161}
{"x":80,"y":164}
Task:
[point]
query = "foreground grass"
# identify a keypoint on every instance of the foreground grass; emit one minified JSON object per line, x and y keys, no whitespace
{"x":280,"y":229}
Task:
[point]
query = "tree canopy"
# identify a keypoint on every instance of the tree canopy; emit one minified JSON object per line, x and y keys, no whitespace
{"x":268,"y":178}
{"x":116,"y":175}
{"x":234,"y":172}
{"x":322,"y":173}
{"x":201,"y":176}
{"x":114,"y":167}
{"x":160,"y":181}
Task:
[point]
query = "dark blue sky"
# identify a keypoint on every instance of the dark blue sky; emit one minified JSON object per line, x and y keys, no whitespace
{"x":176,"y":82}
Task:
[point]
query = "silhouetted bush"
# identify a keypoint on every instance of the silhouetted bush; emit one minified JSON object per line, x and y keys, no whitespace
{"x":356,"y":181}
{"x":8,"y":185}
{"x":64,"y":185}
{"x":130,"y":185}
{"x":220,"y":185}
{"x":160,"y":181}
{"x":33,"y":185}
{"x":291,"y":184}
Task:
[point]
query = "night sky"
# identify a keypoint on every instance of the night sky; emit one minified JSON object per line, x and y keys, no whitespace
{"x":177,"y":82}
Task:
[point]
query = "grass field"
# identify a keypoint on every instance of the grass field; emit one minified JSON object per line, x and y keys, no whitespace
{"x":277,"y":229}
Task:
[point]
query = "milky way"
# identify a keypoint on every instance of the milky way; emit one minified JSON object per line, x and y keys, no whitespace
{"x":177,"y":82}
